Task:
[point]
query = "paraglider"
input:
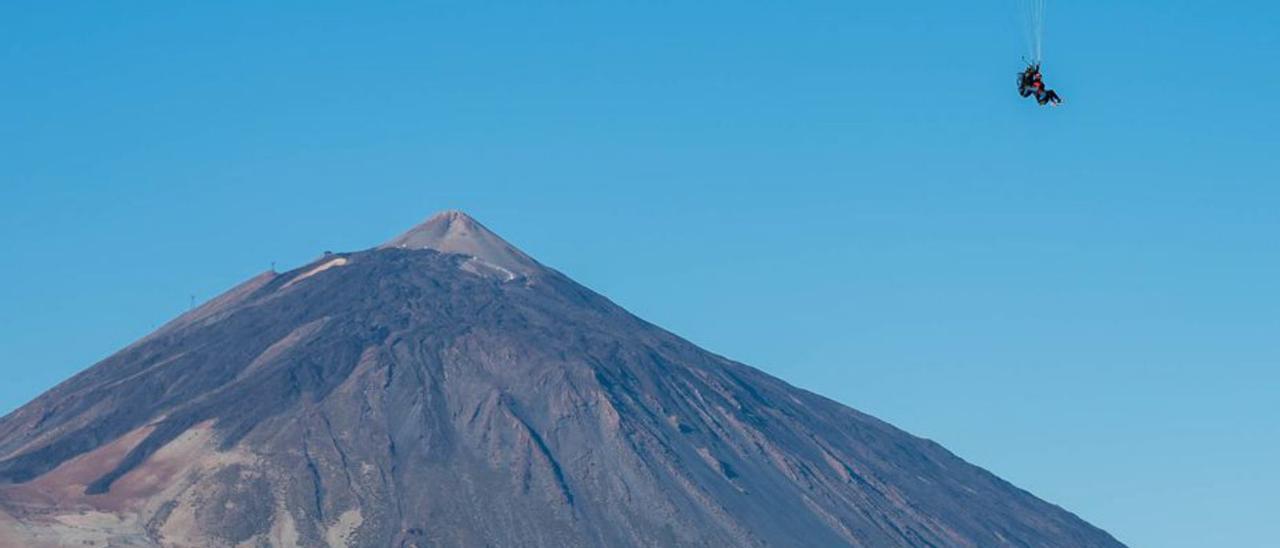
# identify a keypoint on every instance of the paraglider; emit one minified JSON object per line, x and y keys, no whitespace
{"x":1031,"y":80}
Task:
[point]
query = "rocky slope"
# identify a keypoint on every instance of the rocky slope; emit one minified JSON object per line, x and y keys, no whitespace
{"x":445,"y":389}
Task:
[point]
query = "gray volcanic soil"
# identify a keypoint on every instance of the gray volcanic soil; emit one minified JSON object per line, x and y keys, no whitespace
{"x":404,"y":396}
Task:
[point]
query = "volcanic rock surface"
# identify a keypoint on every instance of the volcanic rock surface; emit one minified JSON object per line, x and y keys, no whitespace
{"x":445,"y":389}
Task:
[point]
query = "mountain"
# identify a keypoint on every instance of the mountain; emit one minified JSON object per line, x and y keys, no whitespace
{"x":445,"y":389}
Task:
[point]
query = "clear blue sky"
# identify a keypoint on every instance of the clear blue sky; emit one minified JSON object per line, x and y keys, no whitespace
{"x":848,"y":195}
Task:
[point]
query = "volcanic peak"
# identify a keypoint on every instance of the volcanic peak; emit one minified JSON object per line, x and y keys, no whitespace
{"x":456,"y":232}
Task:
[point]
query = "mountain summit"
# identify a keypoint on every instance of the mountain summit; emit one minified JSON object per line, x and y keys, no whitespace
{"x":457,"y":232}
{"x":445,"y":389}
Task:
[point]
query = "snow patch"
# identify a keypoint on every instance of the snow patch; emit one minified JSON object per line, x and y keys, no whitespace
{"x":480,"y":267}
{"x":340,"y":261}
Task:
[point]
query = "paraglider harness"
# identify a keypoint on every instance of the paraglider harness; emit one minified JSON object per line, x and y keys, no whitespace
{"x":1030,"y":82}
